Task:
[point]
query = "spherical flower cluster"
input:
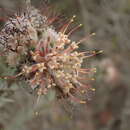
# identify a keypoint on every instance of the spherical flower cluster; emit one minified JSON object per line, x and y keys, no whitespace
{"x":45,"y":58}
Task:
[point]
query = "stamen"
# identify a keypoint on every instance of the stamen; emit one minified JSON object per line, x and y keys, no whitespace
{"x":74,"y":29}
{"x":86,"y":38}
{"x":92,"y":54}
{"x":52,"y":20}
{"x":65,"y":27}
{"x":11,"y":77}
{"x":76,"y":99}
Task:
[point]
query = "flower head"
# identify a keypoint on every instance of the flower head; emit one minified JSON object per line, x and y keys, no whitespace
{"x":45,"y":57}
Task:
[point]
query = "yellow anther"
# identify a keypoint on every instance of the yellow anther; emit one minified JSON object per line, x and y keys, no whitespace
{"x":72,"y":20}
{"x":80,"y":25}
{"x":49,"y":86}
{"x":93,"y":51}
{"x":37,"y":74}
{"x":100,"y":51}
{"x":36,"y":113}
{"x":5,"y":78}
{"x":34,"y":57}
{"x":93,"y":89}
{"x":95,"y":70}
{"x":93,"y":34}
{"x":74,"y":16}
{"x":53,"y":84}
{"x":39,"y":65}
{"x":82,"y":91}
{"x":83,"y":102}
{"x":93,"y":79}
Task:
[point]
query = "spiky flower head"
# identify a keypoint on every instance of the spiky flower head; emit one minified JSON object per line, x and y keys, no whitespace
{"x":46,"y":58}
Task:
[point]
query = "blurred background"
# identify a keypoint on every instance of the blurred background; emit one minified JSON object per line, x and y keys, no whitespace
{"x":109,"y":108}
